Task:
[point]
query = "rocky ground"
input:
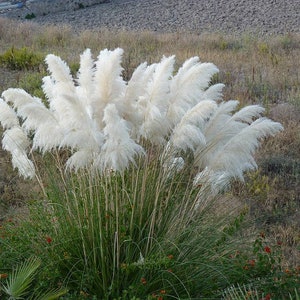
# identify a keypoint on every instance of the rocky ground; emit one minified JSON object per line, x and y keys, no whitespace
{"x":198,"y":16}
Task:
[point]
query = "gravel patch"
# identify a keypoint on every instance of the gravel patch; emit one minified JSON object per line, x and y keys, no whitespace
{"x":261,"y":17}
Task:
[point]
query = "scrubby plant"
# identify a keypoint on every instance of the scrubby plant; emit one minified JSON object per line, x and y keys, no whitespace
{"x":30,"y":16}
{"x":20,"y":59}
{"x":131,"y":173}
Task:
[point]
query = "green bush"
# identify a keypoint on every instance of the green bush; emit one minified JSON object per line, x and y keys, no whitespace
{"x":30,"y":16}
{"x":21,"y":59}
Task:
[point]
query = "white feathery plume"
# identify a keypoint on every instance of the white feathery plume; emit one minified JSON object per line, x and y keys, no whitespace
{"x":72,"y":106}
{"x":109,"y":85}
{"x":214,"y":92}
{"x":85,"y":80}
{"x":15,"y":138}
{"x":236,"y":156}
{"x":18,"y":97}
{"x":264,"y":127}
{"x":187,"y":87}
{"x":119,"y":149}
{"x":187,"y":65}
{"x":215,"y":129}
{"x":74,"y":119}
{"x":30,"y":109}
{"x":36,"y":117}
{"x":86,"y":72}
{"x":147,"y":76}
{"x":231,"y":142}
{"x":8,"y":117}
{"x":154,"y":103}
{"x":60,"y":72}
{"x":84,"y":139}
{"x":158,"y":87}
{"x":63,"y":100}
{"x":218,"y":131}
{"x":135,"y":87}
{"x":182,"y":96}
{"x":215,"y":182}
{"x":204,"y":72}
{"x":16,"y":142}
{"x":80,"y":129}
{"x":136,"y":115}
{"x":200,"y":113}
{"x":188,"y":134}
{"x":48,"y":88}
{"x":223,"y":125}
{"x":47,"y":137}
{"x":24,"y":165}
{"x":248,"y":113}
{"x":80,"y":159}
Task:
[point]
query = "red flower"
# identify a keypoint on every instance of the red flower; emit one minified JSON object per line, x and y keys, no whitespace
{"x":143,"y":280}
{"x":268,"y":297}
{"x":170,"y":256}
{"x":251,"y":262}
{"x":162,"y":292}
{"x":267,"y":249}
{"x":48,"y":239}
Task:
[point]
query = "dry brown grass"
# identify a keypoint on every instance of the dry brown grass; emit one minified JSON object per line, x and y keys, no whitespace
{"x":255,"y":70}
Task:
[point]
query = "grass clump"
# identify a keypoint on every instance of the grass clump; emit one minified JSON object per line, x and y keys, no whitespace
{"x":123,"y":214}
{"x":136,"y":234}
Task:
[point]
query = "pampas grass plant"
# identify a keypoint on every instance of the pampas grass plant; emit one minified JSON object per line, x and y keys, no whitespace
{"x":133,"y":172}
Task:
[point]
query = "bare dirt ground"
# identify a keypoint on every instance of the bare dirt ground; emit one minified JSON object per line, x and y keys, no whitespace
{"x":227,"y":16}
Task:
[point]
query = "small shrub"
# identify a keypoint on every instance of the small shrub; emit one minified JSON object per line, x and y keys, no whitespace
{"x":21,"y":59}
{"x":30,"y":16}
{"x":289,"y":42}
{"x":263,"y":48}
{"x":258,"y":185}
